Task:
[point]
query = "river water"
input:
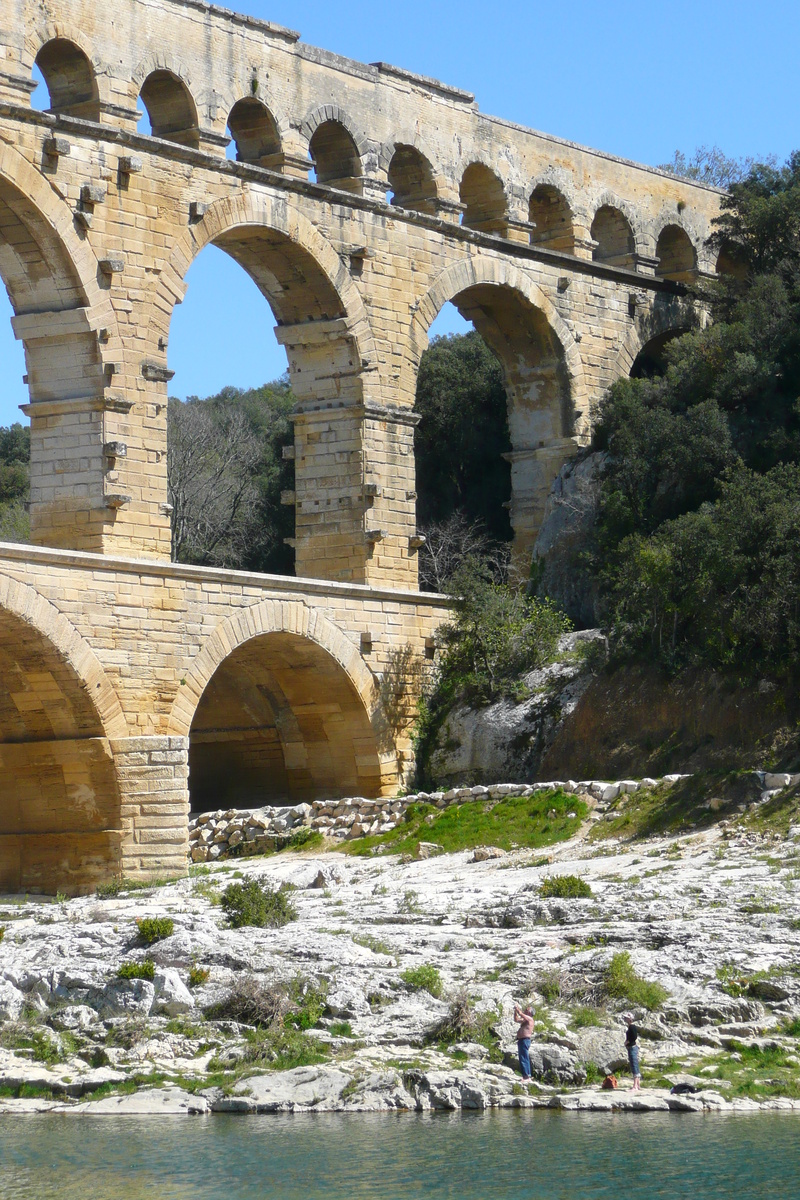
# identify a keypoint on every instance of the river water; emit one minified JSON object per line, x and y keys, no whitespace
{"x":493,"y":1156}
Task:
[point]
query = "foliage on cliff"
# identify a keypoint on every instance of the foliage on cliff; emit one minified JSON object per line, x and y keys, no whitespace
{"x":15,"y":448}
{"x":497,"y":635}
{"x":462,"y":435}
{"x":700,"y":505}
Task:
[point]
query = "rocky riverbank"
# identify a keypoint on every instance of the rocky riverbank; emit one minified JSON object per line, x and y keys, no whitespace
{"x":712,"y":917}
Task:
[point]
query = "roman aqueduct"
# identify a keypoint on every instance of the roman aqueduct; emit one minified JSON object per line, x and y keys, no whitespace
{"x":360,"y":200}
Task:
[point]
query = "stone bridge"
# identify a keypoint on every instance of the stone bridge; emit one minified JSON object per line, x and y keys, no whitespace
{"x":361,"y":199}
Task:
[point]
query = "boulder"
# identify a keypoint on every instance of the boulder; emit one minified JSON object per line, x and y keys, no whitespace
{"x":125,"y":997}
{"x":172,"y":997}
{"x":347,"y":1001}
{"x":482,"y":853}
{"x":11,"y":1001}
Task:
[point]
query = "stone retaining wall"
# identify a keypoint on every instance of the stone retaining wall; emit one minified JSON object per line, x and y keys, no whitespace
{"x":214,"y":835}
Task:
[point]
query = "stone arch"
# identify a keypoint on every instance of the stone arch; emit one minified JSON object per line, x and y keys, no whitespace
{"x":550,"y":212}
{"x":52,"y":279}
{"x":71,"y":78}
{"x":676,"y":253}
{"x":669,"y":317}
{"x":288,"y":232}
{"x":335,"y":157}
{"x":171,"y":107}
{"x":279,"y":706}
{"x":412,"y":180}
{"x":483,"y":194}
{"x":32,"y":608}
{"x":60,"y":809}
{"x":255,"y":131}
{"x":613,"y":234}
{"x":332,"y":112}
{"x":547,"y":395}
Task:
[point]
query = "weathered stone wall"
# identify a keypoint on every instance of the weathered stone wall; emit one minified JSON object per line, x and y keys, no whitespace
{"x":121,"y":673}
{"x":567,"y":260}
{"x":118,"y":676}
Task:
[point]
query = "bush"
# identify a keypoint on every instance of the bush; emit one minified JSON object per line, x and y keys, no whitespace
{"x":622,"y":983}
{"x":551,"y":984}
{"x":464,"y":1024}
{"x":274,"y":1005}
{"x":423,"y":978}
{"x":565,"y":887}
{"x":154,"y":929}
{"x":112,"y":887}
{"x":254,"y":903}
{"x":137,"y":970}
{"x":198,"y":975}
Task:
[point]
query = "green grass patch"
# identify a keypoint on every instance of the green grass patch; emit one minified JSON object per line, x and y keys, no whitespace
{"x":154,"y":929}
{"x":697,"y":803}
{"x":137,"y":970}
{"x":565,"y":887}
{"x":255,"y":903}
{"x":515,"y":821}
{"x":372,"y":943}
{"x":584,"y":1017}
{"x":424,"y":978}
{"x":341,"y":1029}
{"x":622,"y":983}
{"x":755,"y":1073}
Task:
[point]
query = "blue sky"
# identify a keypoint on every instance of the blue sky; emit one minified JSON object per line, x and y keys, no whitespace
{"x":633,"y":77}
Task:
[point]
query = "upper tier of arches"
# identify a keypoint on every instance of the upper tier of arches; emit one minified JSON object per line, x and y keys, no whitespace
{"x":328,"y":146}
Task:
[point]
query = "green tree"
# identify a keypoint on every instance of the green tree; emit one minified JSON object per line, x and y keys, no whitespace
{"x":696,"y":536}
{"x":15,"y":449}
{"x":462,"y":436}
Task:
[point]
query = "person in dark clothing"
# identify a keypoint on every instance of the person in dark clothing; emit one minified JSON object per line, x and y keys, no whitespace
{"x":632,"y":1046}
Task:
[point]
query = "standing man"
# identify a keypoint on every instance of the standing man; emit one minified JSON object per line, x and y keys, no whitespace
{"x":631,"y":1045}
{"x":524,"y":1034}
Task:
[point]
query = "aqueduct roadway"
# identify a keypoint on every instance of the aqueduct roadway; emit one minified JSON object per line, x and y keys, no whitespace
{"x":360,"y":201}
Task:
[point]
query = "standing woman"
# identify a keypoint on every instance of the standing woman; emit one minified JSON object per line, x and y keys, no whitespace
{"x":632,"y":1046}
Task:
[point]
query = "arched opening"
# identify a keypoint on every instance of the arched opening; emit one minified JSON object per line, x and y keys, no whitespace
{"x":70,"y":80}
{"x":549,"y":213}
{"x":335,"y":158}
{"x":614,"y":237}
{"x":676,"y":255}
{"x":61,"y":361}
{"x":732,"y":261}
{"x":462,"y":446}
{"x":228,"y":422}
{"x":171,"y":111}
{"x":411,"y":180}
{"x":13,"y":391}
{"x":280,"y":722}
{"x":651,"y":361}
{"x":314,"y":330}
{"x":539,"y":410}
{"x":255,"y":133}
{"x":484,"y":199}
{"x":60,"y":823}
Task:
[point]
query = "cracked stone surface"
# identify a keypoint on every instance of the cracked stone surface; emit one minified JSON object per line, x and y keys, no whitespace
{"x":694,"y":912}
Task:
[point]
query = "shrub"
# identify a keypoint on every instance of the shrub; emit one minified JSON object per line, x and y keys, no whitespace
{"x":254,"y":903}
{"x":137,"y":970}
{"x":565,"y":887}
{"x":550,"y":985}
{"x":464,"y":1024}
{"x":423,"y":978}
{"x":112,"y":887}
{"x":341,"y":1029}
{"x":197,"y":975}
{"x":253,"y":1003}
{"x":622,"y":983}
{"x":154,"y":929}
{"x":2,"y":932}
